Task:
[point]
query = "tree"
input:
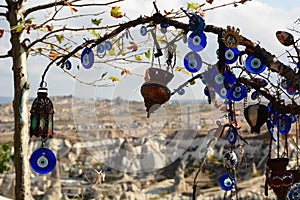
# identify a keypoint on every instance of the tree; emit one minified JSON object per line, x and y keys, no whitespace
{"x":52,"y":41}
{"x":21,"y":22}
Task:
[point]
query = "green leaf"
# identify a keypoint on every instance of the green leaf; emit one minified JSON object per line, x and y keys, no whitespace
{"x":27,"y":21}
{"x":96,"y":21}
{"x":193,"y":6}
{"x":148,"y":53}
{"x":18,"y":28}
{"x":60,"y":38}
{"x":93,"y":32}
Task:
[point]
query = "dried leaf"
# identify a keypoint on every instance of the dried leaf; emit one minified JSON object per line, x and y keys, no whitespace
{"x":53,"y":55}
{"x":73,"y":10}
{"x":124,"y":72}
{"x":113,"y":79}
{"x":93,"y":32}
{"x":114,"y":12}
{"x":1,"y":33}
{"x":133,"y":46}
{"x":49,"y":28}
{"x":180,"y":69}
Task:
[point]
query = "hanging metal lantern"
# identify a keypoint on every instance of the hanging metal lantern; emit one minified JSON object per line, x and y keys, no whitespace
{"x":256,"y":115}
{"x":155,"y":91}
{"x":41,"y":118}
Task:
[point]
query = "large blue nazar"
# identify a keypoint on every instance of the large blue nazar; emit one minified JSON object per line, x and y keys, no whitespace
{"x":87,"y":58}
{"x":42,"y":161}
{"x":192,"y":62}
{"x":197,"y":41}
{"x":231,"y":55}
{"x":226,"y":182}
{"x":255,"y":65}
{"x":237,"y":92}
{"x":283,"y":124}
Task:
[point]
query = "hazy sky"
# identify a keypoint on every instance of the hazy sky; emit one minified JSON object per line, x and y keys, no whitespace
{"x":258,"y":20}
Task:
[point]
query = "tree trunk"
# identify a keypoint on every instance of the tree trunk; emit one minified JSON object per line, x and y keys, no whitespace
{"x":21,"y":86}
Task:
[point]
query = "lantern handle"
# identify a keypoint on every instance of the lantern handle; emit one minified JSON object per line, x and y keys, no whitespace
{"x":43,"y":84}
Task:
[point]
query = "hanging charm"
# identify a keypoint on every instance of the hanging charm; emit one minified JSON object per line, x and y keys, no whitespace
{"x":231,"y":37}
{"x":42,"y":160}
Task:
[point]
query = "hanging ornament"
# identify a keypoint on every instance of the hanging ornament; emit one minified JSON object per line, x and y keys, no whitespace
{"x":164,"y":28}
{"x":231,"y":55}
{"x":285,"y":38}
{"x":232,"y":135}
{"x":262,"y":82}
{"x":100,"y":49}
{"x":256,"y":115}
{"x":196,"y":24}
{"x":226,"y":182}
{"x":237,"y":92}
{"x":294,"y":192}
{"x":272,"y":132}
{"x":221,"y":90}
{"x":192,"y":62}
{"x":230,"y":160}
{"x":231,"y":37}
{"x":197,"y":41}
{"x":155,"y":91}
{"x":229,"y":77}
{"x":41,"y":115}
{"x":68,"y":65}
{"x":255,"y":65}
{"x":108,"y":45}
{"x":143,"y":31}
{"x":255,"y":95}
{"x":42,"y":161}
{"x":87,"y":58}
{"x":283,"y":124}
{"x":181,"y":91}
{"x":293,"y":118}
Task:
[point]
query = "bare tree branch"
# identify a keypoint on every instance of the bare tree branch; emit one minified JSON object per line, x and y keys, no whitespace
{"x":62,"y":3}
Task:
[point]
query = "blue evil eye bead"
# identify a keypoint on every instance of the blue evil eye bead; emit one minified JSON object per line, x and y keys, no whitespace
{"x":219,"y":79}
{"x":107,"y":45}
{"x":294,"y":192}
{"x":226,"y":182}
{"x":206,"y":91}
{"x":255,"y":65}
{"x":192,"y":62}
{"x":68,"y":65}
{"x":221,"y":90}
{"x":232,"y":135}
{"x":197,"y":42}
{"x":42,"y":161}
{"x":87,"y":58}
{"x":229,"y":77}
{"x":293,"y":118}
{"x":283,"y":124}
{"x":262,"y":82}
{"x":237,"y":92}
{"x":255,"y":95}
{"x":231,"y":55}
{"x":291,"y":90}
{"x":270,"y":127}
{"x":285,"y":84}
{"x":196,"y":23}
{"x":100,"y":49}
{"x":164,"y":28}
{"x":181,"y":91}
{"x":143,"y":31}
